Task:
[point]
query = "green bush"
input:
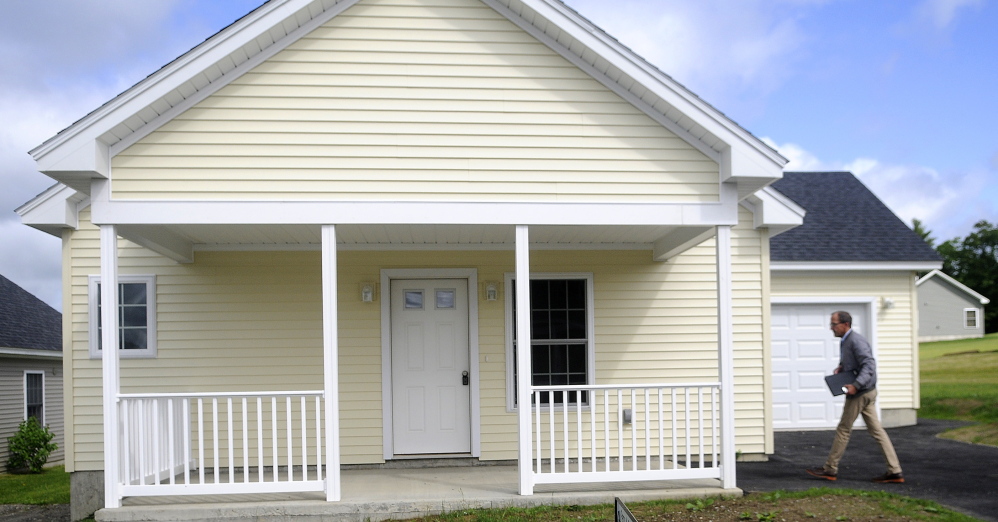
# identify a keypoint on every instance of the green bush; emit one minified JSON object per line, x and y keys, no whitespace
{"x":30,"y":447}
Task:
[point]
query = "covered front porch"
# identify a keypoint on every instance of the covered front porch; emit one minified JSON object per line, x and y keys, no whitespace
{"x":602,"y":435}
{"x":418,"y":489}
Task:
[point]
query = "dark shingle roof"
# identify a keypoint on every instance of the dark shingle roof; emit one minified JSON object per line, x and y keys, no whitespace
{"x":844,"y":222}
{"x":26,"y":321}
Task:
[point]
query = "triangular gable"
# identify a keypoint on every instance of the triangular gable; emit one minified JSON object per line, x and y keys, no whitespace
{"x":953,"y":283}
{"x":84,"y":150}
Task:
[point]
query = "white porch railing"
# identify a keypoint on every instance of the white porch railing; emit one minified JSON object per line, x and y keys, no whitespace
{"x":581,"y":433}
{"x":221,"y":443}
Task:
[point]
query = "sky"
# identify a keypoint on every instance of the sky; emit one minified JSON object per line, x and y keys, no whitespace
{"x":904,"y":94}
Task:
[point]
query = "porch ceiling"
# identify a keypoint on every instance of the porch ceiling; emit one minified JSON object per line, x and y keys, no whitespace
{"x":399,"y":236}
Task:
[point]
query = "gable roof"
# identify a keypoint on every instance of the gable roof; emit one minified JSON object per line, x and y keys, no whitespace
{"x":26,"y":322}
{"x":845,"y":222}
{"x":83,"y":150}
{"x":958,"y":286}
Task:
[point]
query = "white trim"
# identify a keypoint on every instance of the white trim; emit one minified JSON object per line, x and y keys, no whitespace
{"x":954,"y":282}
{"x":151,"y":345}
{"x":788,"y":266}
{"x":511,"y":404}
{"x":387,"y":275}
{"x":25,"y":395}
{"x":977,"y":318}
{"x":330,"y":363}
{"x":29,"y":353}
{"x":525,"y":472}
{"x":157,"y":212}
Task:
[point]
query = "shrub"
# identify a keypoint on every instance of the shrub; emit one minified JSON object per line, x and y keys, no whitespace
{"x":30,"y":447}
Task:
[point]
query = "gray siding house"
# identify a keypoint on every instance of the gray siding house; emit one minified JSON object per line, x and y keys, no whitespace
{"x":948,"y":309}
{"x":30,"y":366}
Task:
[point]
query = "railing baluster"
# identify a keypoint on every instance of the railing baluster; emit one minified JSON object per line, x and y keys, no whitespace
{"x":273,"y":433}
{"x":187,"y":441}
{"x":554,"y":450}
{"x":537,"y":428}
{"x":675,"y":428}
{"x":201,"y":440}
{"x":318,"y":438}
{"x":564,"y":422}
{"x":214,"y":435}
{"x":713,"y":423}
{"x":245,"y":429}
{"x":126,"y":477}
{"x":156,"y":464}
{"x":592,"y":429}
{"x":686,"y":413}
{"x":700,"y":421}
{"x":171,"y":440}
{"x":647,"y":433}
{"x":661,"y":433}
{"x":620,"y":429}
{"x":634,"y":435}
{"x":578,"y":429}
{"x":143,"y":452}
{"x":259,"y":439}
{"x":304,"y":441}
{"x":606,"y":429}
{"x":232,"y":449}
{"x":290,"y":440}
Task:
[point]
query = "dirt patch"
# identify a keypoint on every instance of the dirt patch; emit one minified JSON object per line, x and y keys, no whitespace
{"x":25,"y":513}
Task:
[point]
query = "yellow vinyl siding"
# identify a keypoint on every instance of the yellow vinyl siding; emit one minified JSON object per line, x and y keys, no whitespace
{"x":896,"y":348}
{"x":415,"y":100}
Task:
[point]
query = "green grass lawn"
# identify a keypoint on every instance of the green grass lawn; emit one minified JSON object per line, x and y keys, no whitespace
{"x":960,"y":382}
{"x":48,"y":487}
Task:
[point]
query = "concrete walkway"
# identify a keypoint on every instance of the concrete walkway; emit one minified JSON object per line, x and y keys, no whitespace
{"x":381,"y":494}
{"x":958,"y":475}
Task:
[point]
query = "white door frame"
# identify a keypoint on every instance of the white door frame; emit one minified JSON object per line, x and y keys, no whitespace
{"x":387,"y":275}
{"x":869,"y":303}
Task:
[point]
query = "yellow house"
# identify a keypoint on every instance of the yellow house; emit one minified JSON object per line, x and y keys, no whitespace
{"x":330,"y":223}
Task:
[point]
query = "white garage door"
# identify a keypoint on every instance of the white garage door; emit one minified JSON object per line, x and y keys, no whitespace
{"x":804,"y":351}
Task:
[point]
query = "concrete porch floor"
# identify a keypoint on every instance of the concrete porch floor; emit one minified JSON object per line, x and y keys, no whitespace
{"x":383,"y":494}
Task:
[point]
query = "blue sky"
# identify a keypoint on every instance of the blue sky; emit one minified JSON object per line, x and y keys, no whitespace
{"x":902,"y":93}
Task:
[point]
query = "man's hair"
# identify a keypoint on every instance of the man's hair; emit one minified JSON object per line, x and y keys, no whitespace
{"x":844,"y":317}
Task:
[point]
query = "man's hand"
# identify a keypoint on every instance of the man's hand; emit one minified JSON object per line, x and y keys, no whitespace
{"x":837,"y":369}
{"x":850,"y":389}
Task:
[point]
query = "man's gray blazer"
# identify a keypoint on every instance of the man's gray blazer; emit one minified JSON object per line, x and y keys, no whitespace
{"x":855,"y":355}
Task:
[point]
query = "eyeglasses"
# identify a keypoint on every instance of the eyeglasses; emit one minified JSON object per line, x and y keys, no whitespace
{"x":835,"y":324}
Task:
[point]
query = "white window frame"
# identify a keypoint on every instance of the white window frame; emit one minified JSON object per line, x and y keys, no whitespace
{"x":149,"y":351}
{"x":977,"y":318}
{"x":25,"y":394}
{"x":590,"y":330}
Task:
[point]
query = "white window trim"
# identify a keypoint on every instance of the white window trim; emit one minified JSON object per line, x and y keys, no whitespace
{"x":977,"y":318}
{"x":24,"y":395}
{"x":590,"y":329}
{"x":150,"y":351}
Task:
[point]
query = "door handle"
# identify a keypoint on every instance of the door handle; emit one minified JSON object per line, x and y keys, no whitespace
{"x":464,"y":378}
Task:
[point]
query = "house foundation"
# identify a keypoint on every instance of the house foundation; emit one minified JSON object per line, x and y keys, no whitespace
{"x":86,"y":493}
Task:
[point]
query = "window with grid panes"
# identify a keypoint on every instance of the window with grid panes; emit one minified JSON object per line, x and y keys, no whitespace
{"x":559,"y":344}
{"x":34,"y":396}
{"x":136,"y":316}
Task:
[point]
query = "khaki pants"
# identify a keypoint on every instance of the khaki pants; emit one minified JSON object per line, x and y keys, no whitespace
{"x":856,"y":406}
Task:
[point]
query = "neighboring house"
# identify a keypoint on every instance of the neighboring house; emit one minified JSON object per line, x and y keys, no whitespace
{"x":851,"y":253}
{"x":30,"y":366}
{"x":328,"y":225}
{"x":948,"y":309}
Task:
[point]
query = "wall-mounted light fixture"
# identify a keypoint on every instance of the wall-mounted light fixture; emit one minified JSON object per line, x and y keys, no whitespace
{"x":367,"y":292}
{"x":491,"y":291}
{"x":886,"y":303}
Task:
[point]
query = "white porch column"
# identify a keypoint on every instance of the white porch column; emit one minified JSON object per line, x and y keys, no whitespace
{"x":111,"y":374}
{"x":330,"y":363}
{"x":523,"y":371}
{"x":725,"y":355}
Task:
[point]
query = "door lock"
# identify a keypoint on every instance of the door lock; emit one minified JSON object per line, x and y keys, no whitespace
{"x":464,"y":378}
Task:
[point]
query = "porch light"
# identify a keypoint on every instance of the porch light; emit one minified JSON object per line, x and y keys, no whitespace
{"x":887,"y":303}
{"x":491,"y":291}
{"x":367,"y":292}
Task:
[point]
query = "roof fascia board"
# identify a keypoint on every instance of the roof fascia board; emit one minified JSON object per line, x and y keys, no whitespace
{"x":601,"y":77}
{"x":774,"y":211}
{"x":945,"y":277}
{"x":53,"y":210}
{"x":32,"y":354}
{"x":195,"y":61}
{"x":826,"y":266}
{"x":641,"y":71}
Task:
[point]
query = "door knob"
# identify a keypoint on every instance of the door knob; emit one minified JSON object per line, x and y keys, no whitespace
{"x":464,"y":378}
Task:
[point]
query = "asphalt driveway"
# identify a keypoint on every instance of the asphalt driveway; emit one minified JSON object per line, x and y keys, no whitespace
{"x":961,"y":476}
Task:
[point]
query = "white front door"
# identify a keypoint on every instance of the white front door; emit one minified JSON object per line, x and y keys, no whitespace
{"x":431,"y":392}
{"x":804,"y":351}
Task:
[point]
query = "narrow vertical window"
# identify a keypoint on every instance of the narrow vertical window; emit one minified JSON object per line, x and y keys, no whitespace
{"x":136,"y":316}
{"x":34,"y":396}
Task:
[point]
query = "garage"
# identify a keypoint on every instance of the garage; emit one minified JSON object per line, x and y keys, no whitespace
{"x":803,"y":352}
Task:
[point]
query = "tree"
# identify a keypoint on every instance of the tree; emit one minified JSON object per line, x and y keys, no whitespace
{"x":973,"y":261}
{"x":924,"y":233}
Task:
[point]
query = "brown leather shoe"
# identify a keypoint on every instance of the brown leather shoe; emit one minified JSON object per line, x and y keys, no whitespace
{"x":895,"y":478}
{"x":821,"y":473}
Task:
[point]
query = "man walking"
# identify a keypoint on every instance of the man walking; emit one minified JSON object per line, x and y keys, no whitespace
{"x":856,"y":357}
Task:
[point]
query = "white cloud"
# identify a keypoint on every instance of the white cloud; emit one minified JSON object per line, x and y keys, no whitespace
{"x":941,"y":14}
